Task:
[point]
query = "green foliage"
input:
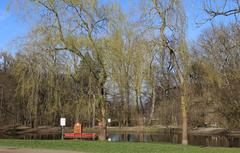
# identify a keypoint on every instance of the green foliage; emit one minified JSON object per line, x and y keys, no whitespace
{"x":85,"y":53}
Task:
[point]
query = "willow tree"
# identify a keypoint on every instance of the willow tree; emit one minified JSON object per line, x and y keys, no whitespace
{"x":140,"y":65}
{"x":78,"y":26}
{"x":119,"y":66}
{"x":27,"y":72}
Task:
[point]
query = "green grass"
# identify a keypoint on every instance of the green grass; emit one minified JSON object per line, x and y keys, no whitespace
{"x":113,"y":147}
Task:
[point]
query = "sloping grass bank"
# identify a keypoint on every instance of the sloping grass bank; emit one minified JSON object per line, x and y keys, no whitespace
{"x":112,"y":147}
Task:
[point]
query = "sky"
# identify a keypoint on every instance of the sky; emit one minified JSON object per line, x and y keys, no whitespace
{"x":12,"y":26}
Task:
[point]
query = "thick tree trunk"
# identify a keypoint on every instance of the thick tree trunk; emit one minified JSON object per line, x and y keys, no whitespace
{"x":103,"y":127}
{"x":103,"y":123}
{"x":184,"y":120}
{"x":137,"y":101}
{"x":184,"y":111}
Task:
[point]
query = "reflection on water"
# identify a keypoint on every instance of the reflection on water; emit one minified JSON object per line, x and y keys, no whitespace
{"x":33,"y":136}
{"x":144,"y":137}
{"x":168,"y":137}
{"x":216,"y":140}
{"x":199,"y":140}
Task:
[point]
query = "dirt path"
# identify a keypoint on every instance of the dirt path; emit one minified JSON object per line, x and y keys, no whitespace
{"x":24,"y":150}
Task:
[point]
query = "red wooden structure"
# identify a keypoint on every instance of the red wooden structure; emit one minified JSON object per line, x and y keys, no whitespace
{"x":81,"y":135}
{"x":77,"y":133}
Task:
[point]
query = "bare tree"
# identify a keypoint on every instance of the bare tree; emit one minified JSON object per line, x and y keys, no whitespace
{"x":221,"y":8}
{"x":167,"y":12}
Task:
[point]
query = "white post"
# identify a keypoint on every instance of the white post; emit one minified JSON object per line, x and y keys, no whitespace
{"x":62,"y":124}
{"x":109,"y":121}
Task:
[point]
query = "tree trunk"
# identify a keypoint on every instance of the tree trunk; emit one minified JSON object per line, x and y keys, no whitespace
{"x":128,"y":105}
{"x":153,"y":104}
{"x":103,"y":125}
{"x":122,"y":108}
{"x":36,"y":115}
{"x":138,"y":118}
{"x":183,"y":104}
{"x":94,"y":111}
{"x":142,"y":107}
{"x":184,"y":110}
{"x":137,"y":101}
{"x":184,"y":120}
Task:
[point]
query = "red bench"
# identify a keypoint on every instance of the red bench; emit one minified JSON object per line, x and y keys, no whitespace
{"x":81,"y":135}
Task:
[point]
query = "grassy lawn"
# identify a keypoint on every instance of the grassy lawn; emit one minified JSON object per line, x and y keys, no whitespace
{"x":113,"y":147}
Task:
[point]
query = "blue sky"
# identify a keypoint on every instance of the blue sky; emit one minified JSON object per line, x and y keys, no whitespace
{"x":11,"y":26}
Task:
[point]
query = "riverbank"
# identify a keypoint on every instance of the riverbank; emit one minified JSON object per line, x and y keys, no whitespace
{"x":20,"y":130}
{"x":111,"y":147}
